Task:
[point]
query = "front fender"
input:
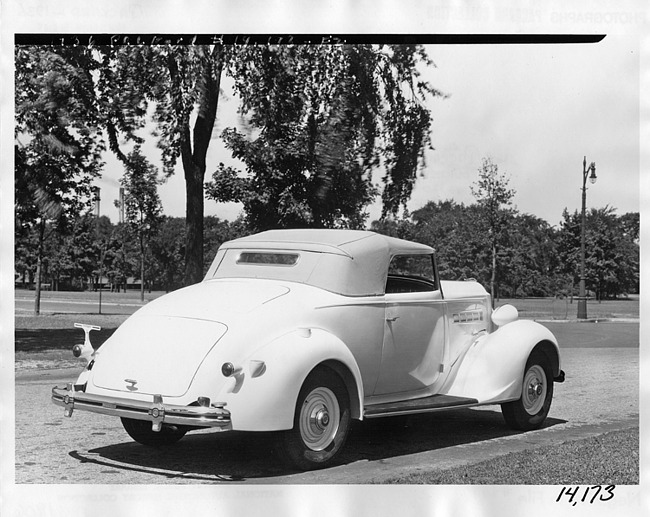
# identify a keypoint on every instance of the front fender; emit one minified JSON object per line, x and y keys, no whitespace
{"x":267,"y":402}
{"x":492,"y":369}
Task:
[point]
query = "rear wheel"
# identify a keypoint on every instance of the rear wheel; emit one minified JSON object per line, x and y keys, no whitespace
{"x":530,"y":411}
{"x":321,"y":422}
{"x":141,"y":432}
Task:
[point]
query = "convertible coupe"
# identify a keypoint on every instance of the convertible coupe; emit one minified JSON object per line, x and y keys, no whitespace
{"x":299,"y":332}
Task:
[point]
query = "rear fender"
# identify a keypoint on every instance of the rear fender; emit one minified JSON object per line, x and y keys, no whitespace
{"x":492,"y":369}
{"x":267,"y":401}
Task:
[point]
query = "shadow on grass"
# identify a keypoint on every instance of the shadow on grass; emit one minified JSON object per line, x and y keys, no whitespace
{"x":38,"y":340}
{"x":238,"y":456}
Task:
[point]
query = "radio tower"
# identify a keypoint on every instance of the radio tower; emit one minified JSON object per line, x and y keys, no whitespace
{"x":97,"y":199}
{"x":121,"y":207}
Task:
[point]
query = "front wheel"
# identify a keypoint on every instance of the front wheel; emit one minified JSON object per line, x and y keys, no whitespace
{"x":530,"y":411}
{"x":321,"y":422}
{"x":141,"y":432}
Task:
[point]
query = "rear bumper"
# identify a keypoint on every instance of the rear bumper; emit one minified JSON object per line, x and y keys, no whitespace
{"x":156,"y":411}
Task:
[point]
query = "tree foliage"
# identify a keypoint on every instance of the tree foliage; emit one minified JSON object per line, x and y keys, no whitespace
{"x":320,"y":119}
{"x":453,"y":230}
{"x":527,"y":260}
{"x":182,"y":83}
{"x":324,"y":115}
{"x":57,"y":143}
{"x":96,"y":247}
{"x":494,"y":199}
{"x":534,"y":258}
{"x":611,"y":251}
{"x":142,"y":206}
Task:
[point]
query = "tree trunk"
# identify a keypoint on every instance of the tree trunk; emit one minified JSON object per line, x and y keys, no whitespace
{"x":141,"y":266}
{"x":39,"y":264}
{"x":194,"y":164}
{"x":194,"y":226}
{"x":494,"y":272}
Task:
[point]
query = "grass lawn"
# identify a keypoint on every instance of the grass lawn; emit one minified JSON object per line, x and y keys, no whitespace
{"x":551,"y":308}
{"x":529,"y":308}
{"x":608,"y":459}
{"x":67,"y":321}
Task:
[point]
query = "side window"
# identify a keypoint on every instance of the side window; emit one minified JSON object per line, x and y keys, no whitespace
{"x":411,"y":274}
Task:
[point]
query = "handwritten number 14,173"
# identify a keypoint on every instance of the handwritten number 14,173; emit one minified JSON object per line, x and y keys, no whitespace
{"x":588,"y":494}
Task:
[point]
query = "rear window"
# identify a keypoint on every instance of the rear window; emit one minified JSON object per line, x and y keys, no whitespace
{"x":266,"y":258}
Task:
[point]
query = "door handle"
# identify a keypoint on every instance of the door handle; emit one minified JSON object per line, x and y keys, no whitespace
{"x":392,"y":318}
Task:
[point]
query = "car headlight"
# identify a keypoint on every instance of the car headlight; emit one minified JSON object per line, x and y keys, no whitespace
{"x":505,"y":314}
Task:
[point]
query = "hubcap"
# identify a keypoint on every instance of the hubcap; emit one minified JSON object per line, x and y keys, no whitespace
{"x":319,"y":418}
{"x":534,"y":391}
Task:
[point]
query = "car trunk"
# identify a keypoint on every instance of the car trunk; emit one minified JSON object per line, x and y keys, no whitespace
{"x":159,"y":349}
{"x":155,"y":354}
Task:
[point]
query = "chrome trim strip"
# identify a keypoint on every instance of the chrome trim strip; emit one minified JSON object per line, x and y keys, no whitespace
{"x":155,"y":411}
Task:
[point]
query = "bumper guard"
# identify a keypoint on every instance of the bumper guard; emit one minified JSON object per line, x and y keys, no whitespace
{"x":156,"y":411}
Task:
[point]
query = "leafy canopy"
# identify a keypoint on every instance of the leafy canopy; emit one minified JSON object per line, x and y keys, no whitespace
{"x":320,"y":119}
{"x":57,"y":139}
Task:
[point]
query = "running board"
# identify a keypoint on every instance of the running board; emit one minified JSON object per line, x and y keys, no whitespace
{"x":422,"y":405}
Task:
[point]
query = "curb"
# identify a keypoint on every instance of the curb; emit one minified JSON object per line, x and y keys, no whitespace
{"x":53,"y":374}
{"x":590,"y":320}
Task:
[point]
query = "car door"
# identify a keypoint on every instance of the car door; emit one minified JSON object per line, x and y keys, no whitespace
{"x":414,"y":331}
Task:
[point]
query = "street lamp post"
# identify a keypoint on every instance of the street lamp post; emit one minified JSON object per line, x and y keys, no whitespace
{"x":97,"y":192}
{"x":582,"y":299}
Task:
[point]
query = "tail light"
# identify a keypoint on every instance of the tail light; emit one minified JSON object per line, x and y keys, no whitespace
{"x":229,"y":369}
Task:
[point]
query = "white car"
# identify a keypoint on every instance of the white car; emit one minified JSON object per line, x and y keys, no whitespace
{"x":302,"y":331}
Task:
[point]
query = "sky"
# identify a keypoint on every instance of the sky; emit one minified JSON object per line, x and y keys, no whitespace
{"x":536,"y":110}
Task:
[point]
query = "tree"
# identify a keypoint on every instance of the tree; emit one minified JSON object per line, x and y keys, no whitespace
{"x":57,"y":143}
{"x":494,"y":199}
{"x":631,"y":226}
{"x":142,"y":208}
{"x":24,"y":251}
{"x":451,"y":229}
{"x":527,"y":261}
{"x":167,"y":247}
{"x":118,"y":86}
{"x":612,"y":250}
{"x":183,"y":83}
{"x":168,"y":252}
{"x":85,"y":251}
{"x":320,"y":119}
{"x":402,"y":228}
{"x":218,"y":231}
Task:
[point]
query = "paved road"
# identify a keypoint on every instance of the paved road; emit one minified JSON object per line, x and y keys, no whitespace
{"x":79,"y":303}
{"x":600,"y":394}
